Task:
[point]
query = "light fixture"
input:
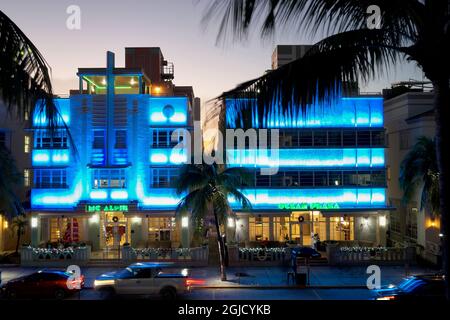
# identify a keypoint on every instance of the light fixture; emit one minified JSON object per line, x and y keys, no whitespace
{"x":230,"y":222}
{"x":441,"y":235}
{"x":5,"y":224}
{"x":157,"y":90}
{"x":132,"y":81}
{"x":104,"y":81}
{"x":34,"y":222}
{"x":336,"y":182}
{"x":136,"y":219}
{"x":94,"y":219}
{"x":184,"y":222}
{"x":382,"y":221}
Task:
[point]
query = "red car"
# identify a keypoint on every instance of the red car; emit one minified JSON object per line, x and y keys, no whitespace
{"x":43,"y":284}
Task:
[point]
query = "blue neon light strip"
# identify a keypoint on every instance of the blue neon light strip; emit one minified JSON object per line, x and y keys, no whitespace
{"x":63,"y":106}
{"x":345,"y":112}
{"x":157,"y":115}
{"x":307,"y":158}
{"x":168,"y":156}
{"x":50,"y":157}
{"x":345,"y":198}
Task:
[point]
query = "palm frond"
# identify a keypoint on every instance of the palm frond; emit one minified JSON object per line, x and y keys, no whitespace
{"x":25,"y":84}
{"x":311,"y":16}
{"x":316,"y":78}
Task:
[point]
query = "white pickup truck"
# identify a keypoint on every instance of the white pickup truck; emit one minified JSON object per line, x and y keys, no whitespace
{"x":147,"y":278}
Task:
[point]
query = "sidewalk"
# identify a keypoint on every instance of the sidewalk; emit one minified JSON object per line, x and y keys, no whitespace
{"x":259,"y":277}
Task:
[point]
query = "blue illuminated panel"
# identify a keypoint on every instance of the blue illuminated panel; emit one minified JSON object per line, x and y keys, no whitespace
{"x":168,"y":111}
{"x":307,"y":158}
{"x":56,"y":198}
{"x":52,"y":157}
{"x":347,"y":198}
{"x":63,"y":106}
{"x":345,"y":112}
{"x":167,"y":156}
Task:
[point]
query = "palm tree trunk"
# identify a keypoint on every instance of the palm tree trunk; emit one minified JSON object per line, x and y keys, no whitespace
{"x":19,"y":233}
{"x":223,"y":275}
{"x":442,"y":114}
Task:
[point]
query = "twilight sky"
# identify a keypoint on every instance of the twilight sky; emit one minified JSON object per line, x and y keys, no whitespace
{"x":173,"y":25}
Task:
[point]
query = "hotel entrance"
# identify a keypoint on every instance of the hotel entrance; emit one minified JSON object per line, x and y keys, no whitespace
{"x":114,"y":231}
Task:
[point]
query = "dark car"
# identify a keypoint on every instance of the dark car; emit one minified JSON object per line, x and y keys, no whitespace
{"x":306,"y":252}
{"x":43,"y":284}
{"x":419,"y":287}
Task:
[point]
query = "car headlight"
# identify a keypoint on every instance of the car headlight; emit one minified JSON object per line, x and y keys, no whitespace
{"x":386,"y":298}
{"x":101,"y":283}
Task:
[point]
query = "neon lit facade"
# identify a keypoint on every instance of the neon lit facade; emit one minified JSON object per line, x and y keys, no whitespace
{"x":331,"y":173}
{"x":119,"y":154}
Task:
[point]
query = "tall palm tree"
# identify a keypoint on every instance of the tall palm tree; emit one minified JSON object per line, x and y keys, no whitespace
{"x":208,"y":187}
{"x":418,"y":171}
{"x":19,"y":225}
{"x":416,"y":30}
{"x":26,"y":89}
{"x":10,"y":178}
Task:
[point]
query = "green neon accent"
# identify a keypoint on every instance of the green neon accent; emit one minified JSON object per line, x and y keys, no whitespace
{"x":91,"y":82}
{"x":106,"y":208}
{"x":308,"y":206}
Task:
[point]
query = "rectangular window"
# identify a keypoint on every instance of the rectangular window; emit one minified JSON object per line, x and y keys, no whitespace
{"x":26,"y":147}
{"x":349,"y":138}
{"x":26,"y":177}
{"x":162,"y":138}
{"x":320,"y":178}
{"x":320,"y":138}
{"x":98,"y":139}
{"x":363,"y":138}
{"x":334,"y":138}
{"x":259,"y":228}
{"x":350,"y":178}
{"x":306,"y":138}
{"x":121,"y":139}
{"x":163,"y":177}
{"x":335,"y":178}
{"x":378,"y":138}
{"x":306,"y":179}
{"x":44,"y":140}
{"x":50,"y":178}
{"x":109,"y":178}
{"x":162,"y":229}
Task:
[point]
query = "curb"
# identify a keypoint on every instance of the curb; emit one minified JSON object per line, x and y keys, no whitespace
{"x":282,"y":287}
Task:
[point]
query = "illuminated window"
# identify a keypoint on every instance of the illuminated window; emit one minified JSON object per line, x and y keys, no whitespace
{"x":259,"y":228}
{"x":27,"y":144}
{"x":162,"y":229}
{"x":108,"y":178}
{"x":26,"y":177}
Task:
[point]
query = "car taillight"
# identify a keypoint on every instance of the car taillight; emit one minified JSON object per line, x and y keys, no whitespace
{"x":193,"y":282}
{"x":387,"y":298}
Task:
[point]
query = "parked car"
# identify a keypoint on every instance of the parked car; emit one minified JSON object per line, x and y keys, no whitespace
{"x":306,"y":252}
{"x":149,"y":278}
{"x":43,"y":284}
{"x":419,"y":287}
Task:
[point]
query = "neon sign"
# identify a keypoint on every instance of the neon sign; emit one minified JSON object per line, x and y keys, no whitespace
{"x":106,"y":208}
{"x":308,"y":206}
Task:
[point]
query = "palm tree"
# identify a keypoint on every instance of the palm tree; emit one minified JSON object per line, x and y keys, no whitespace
{"x":208,"y":187}
{"x":9,"y":179}
{"x":418,"y":171}
{"x":19,"y":225}
{"x":26,"y":89}
{"x":416,"y":30}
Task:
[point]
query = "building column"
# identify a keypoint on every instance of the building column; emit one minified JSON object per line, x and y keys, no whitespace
{"x":135,"y":225}
{"x":94,"y":231}
{"x":271,"y":228}
{"x":35,"y":230}
{"x":327,"y":228}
